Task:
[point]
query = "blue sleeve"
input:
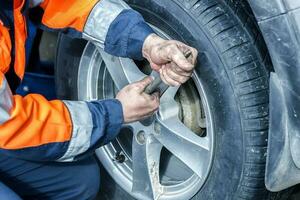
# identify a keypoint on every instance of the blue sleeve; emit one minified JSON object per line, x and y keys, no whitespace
{"x":126,"y":35}
{"x":107,"y":116}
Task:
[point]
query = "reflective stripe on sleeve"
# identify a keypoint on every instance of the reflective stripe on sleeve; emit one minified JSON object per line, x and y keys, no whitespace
{"x":99,"y":20}
{"x":6,"y":100}
{"x":82,"y":129}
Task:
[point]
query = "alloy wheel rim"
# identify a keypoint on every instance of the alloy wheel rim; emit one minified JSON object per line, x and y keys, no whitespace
{"x":139,"y":171}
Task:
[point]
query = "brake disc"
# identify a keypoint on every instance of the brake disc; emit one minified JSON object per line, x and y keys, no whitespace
{"x":191,"y":109}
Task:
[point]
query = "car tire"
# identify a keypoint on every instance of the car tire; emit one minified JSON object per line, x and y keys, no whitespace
{"x":235,"y":75}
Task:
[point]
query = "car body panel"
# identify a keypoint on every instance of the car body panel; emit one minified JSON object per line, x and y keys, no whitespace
{"x":279,"y":22}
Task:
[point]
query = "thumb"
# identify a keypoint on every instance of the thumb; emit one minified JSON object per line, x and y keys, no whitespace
{"x":144,"y":83}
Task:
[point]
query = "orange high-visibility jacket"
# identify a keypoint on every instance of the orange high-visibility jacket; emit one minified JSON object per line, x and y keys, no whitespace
{"x":36,"y":129}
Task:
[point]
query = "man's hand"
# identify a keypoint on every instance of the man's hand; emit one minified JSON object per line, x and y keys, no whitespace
{"x":168,"y":58}
{"x":136,"y":104}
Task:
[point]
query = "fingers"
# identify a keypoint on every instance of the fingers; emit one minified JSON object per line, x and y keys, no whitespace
{"x":135,"y":103}
{"x":177,"y":70}
{"x":185,"y":48}
{"x":168,"y":58}
{"x":142,"y":84}
{"x":151,"y":104}
{"x":180,"y":60}
{"x":178,"y":77}
{"x":193,"y":59}
{"x":172,"y":77}
{"x":155,"y":97}
{"x":166,"y":78}
{"x":152,"y":101}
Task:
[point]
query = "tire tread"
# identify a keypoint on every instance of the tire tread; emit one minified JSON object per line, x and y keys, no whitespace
{"x":246,"y":58}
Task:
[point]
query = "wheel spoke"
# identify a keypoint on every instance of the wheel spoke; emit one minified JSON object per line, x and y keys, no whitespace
{"x":122,"y":70}
{"x":169,"y":108}
{"x":184,"y":144}
{"x":169,"y":94}
{"x":146,"y":158}
{"x":131,"y":70}
{"x":115,"y":69}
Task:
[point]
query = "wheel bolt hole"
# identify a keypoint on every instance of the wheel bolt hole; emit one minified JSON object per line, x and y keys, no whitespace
{"x":140,"y":137}
{"x":119,"y":157}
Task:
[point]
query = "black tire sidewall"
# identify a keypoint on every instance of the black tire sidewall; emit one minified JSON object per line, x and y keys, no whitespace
{"x":226,"y":170}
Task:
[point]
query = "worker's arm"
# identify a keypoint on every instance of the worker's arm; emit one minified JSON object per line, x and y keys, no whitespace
{"x":112,"y":24}
{"x":121,"y":31}
{"x":36,"y":129}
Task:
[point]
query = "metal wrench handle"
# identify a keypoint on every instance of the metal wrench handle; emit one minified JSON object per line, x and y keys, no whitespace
{"x":154,"y":85}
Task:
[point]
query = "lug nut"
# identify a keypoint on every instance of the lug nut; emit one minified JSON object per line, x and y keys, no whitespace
{"x":140,"y":137}
{"x":119,"y":157}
